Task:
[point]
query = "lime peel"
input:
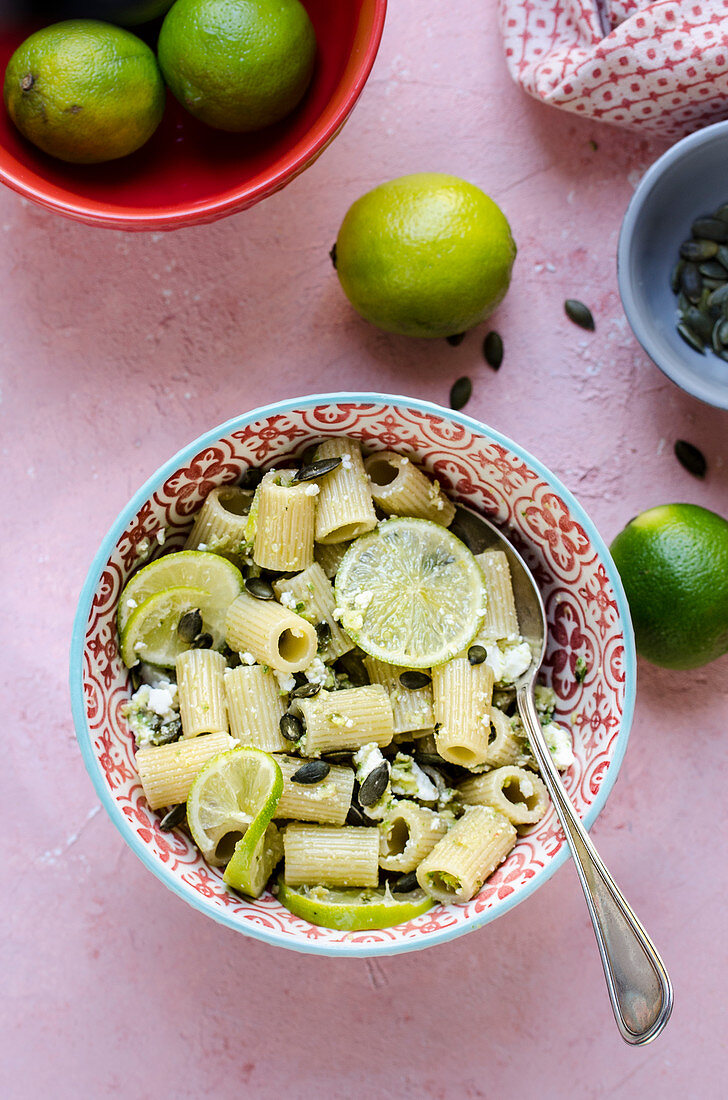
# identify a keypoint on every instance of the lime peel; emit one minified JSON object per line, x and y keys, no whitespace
{"x":352,"y":909}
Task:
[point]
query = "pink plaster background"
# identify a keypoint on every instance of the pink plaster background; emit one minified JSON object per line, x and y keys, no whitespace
{"x":119,"y":349}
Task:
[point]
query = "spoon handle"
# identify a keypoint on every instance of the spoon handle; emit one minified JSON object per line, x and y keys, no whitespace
{"x":638,"y":984}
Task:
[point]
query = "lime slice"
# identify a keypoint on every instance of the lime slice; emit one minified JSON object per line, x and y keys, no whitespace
{"x":352,"y":909}
{"x":151,"y":633}
{"x":254,"y":859}
{"x":187,"y":568}
{"x":236,"y":792}
{"x":410,"y":593}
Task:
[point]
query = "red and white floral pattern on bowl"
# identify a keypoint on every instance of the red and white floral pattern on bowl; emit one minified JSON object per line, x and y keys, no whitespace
{"x":474,"y":467}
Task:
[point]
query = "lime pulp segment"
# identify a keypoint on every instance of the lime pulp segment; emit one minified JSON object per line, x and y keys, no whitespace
{"x":189,"y":568}
{"x":352,"y":909}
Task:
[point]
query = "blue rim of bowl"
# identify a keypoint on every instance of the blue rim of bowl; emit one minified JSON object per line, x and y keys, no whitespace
{"x":83,"y":734}
{"x":634,"y":210}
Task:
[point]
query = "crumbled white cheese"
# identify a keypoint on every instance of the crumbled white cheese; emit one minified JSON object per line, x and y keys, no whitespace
{"x":161,"y":536}
{"x":287,"y":599}
{"x":202,"y":546}
{"x":162,"y":699}
{"x":363,"y":599}
{"x":560,"y":745}
{"x":409,"y":780}
{"x":317,"y":672}
{"x":312,"y":490}
{"x":247,"y":658}
{"x":131,"y":604}
{"x":346,"y":462}
{"x":366,"y":759}
{"x":286,"y":681}
{"x":508,"y":660}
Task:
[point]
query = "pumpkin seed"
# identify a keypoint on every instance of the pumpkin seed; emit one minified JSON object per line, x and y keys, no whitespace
{"x":711,"y":229}
{"x":174,"y":818}
{"x":690,"y":338}
{"x":405,"y":883}
{"x":493,"y":350}
{"x":701,"y":325}
{"x":722,"y":212}
{"x":202,"y":641}
{"x":713,"y":269}
{"x":460,"y":393}
{"x":696,"y":251}
{"x":413,"y":680}
{"x":722,"y":256}
{"x":190,"y":625}
{"x":356,"y":817}
{"x":317,"y":469}
{"x":691,"y":458}
{"x":323,"y":633}
{"x":313,"y":771}
{"x":260,"y":588}
{"x":374,"y":785}
{"x":712,"y":284}
{"x":675,"y":276}
{"x":723,"y":334}
{"x":691,"y":282}
{"x":580,"y":314}
{"x":476,"y":654}
{"x":305,"y":691}
{"x":291,"y":727}
{"x":167,"y":733}
{"x":430,"y":759}
{"x":715,"y":336}
{"x":720,"y":295}
{"x":343,"y":757}
{"x":456,"y":339}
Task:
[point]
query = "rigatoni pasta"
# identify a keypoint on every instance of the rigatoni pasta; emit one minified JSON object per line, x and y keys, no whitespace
{"x":274,"y":635}
{"x":344,"y":508}
{"x":331,"y":855}
{"x":399,"y":488}
{"x":469,"y":852}
{"x":516,"y":793}
{"x":407,"y":834}
{"x":221,"y":521}
{"x":327,"y":801}
{"x":201,"y":690}
{"x":411,"y":708}
{"x":255,"y":707}
{"x":461,"y":695}
{"x":284,"y":522}
{"x":168,"y":771}
{"x":501,"y":617}
{"x":337,"y":720}
{"x":311,"y":595}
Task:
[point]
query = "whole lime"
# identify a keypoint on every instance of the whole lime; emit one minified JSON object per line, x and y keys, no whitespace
{"x":85,"y":91}
{"x":673,"y":561}
{"x":238,"y":65}
{"x":425,"y":255}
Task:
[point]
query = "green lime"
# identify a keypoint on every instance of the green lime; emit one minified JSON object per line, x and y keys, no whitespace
{"x":352,"y":909}
{"x":151,"y":633}
{"x":673,"y":561}
{"x":229,"y":809}
{"x":425,"y":255}
{"x":238,"y":65}
{"x":410,"y":593}
{"x":85,"y":91}
{"x":188,"y":568}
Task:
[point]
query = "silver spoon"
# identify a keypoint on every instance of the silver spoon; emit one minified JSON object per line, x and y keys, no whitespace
{"x":639,"y":987}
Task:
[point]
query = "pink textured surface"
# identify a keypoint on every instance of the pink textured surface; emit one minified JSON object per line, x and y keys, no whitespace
{"x":118,"y":350}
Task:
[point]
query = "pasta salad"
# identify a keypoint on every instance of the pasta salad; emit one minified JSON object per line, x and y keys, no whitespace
{"x":324,"y":682}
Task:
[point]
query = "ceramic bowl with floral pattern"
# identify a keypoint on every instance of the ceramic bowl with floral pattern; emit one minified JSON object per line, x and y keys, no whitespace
{"x":586,"y":608}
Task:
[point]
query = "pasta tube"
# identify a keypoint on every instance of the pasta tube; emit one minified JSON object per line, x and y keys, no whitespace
{"x":401,"y":489}
{"x":220,"y":523}
{"x":284,"y":522}
{"x":407,"y":834}
{"x":461,"y":694}
{"x":345,"y":508}
{"x":516,"y":793}
{"x":274,"y":635}
{"x":501,"y":618}
{"x":329,"y":855}
{"x":168,"y":771}
{"x":201,"y":692}
{"x":311,"y":595}
{"x":255,"y":707}
{"x":327,"y":801}
{"x":505,"y":745}
{"x":469,"y":852}
{"x":412,"y":708}
{"x":329,"y":555}
{"x":347,"y":719}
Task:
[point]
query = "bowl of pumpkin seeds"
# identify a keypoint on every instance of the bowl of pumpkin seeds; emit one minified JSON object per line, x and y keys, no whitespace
{"x":672,"y":264}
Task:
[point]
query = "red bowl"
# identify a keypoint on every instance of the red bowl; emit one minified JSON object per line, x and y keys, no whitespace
{"x":188,"y":174}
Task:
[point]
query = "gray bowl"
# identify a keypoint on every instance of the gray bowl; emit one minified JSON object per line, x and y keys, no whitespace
{"x":690,"y":179}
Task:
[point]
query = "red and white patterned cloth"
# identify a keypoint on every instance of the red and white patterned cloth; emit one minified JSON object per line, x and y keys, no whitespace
{"x":659,"y":68}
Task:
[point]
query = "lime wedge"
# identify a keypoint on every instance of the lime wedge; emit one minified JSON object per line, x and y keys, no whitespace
{"x":410,"y":593}
{"x":151,"y":633}
{"x":235,"y":793}
{"x":187,"y":569}
{"x":254,"y":859}
{"x":352,"y":909}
